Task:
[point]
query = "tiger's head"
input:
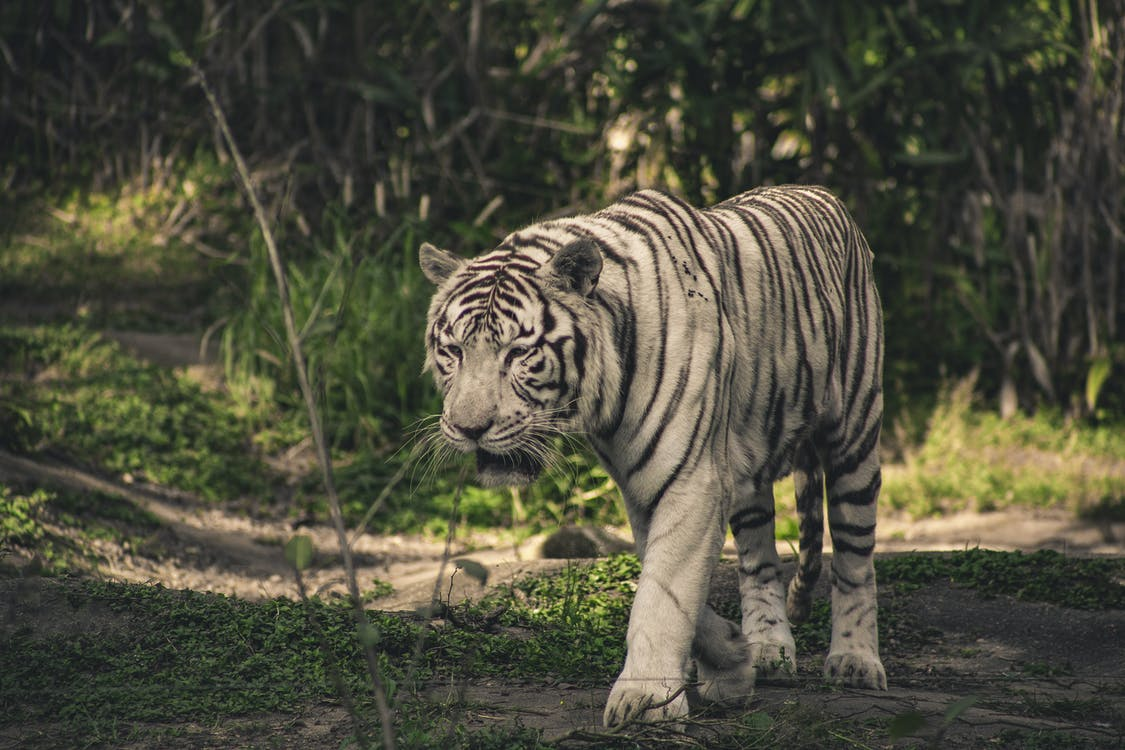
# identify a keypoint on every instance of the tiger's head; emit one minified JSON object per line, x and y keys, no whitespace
{"x":507,"y":348}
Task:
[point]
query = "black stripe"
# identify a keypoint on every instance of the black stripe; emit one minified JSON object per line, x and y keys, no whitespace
{"x":750,"y":518}
{"x":865,"y":496}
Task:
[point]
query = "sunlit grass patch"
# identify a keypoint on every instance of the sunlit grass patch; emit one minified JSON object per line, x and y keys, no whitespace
{"x":972,"y":459}
{"x":72,"y":393}
{"x":140,"y":255}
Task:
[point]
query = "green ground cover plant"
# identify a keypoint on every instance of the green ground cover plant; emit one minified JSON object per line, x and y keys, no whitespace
{"x":71,"y":392}
{"x":1043,"y":576}
{"x":57,"y":530}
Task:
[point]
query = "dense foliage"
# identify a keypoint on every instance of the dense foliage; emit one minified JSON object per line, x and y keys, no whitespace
{"x":979,"y":143}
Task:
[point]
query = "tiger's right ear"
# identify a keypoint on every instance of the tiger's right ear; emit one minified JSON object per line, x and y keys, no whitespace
{"x":577,"y":266}
{"x":438,"y":265}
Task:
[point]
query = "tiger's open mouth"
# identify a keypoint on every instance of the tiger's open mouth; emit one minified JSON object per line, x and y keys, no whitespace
{"x":516,"y":468}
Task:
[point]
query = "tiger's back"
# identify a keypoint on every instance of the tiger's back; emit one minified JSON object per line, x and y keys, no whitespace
{"x":744,"y":307}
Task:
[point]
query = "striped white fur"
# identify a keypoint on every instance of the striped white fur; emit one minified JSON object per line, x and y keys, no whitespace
{"x":705,"y":353}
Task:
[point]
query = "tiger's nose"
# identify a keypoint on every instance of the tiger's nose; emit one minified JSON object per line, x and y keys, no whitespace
{"x":474,"y":433}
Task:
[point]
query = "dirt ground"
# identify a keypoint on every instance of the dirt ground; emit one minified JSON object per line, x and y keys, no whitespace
{"x":1026,"y":666}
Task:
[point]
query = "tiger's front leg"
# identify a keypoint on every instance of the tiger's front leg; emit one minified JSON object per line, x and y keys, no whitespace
{"x":764,"y":620}
{"x":678,"y":547}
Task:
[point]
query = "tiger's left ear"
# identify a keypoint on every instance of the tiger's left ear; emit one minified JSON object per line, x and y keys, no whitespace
{"x":577,"y":266}
{"x":438,"y":265}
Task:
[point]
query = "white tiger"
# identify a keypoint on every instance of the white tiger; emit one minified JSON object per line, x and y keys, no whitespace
{"x":705,"y":353}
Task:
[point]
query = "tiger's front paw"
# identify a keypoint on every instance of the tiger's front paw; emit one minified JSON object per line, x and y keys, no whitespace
{"x":643,"y":700}
{"x":856,"y":670}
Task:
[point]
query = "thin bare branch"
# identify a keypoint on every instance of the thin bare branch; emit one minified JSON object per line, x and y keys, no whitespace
{"x":316,"y":426}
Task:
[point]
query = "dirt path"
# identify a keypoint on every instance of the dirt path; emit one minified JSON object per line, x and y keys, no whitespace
{"x":211,"y":549}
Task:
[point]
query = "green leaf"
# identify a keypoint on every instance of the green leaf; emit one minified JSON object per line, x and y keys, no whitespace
{"x":473,"y":569}
{"x":179,"y":58}
{"x":299,"y":551}
{"x":113,"y":38}
{"x":959,"y":707}
{"x":1095,"y":379}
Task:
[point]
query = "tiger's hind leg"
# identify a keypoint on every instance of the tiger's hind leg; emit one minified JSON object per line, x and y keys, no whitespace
{"x":808,"y":483}
{"x":724,"y":666}
{"x":764,"y":620}
{"x":853,"y":478}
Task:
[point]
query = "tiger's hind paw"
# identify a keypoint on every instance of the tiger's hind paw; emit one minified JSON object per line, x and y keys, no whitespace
{"x":798,"y":605}
{"x":775,"y":662}
{"x":856,"y":670}
{"x":728,"y":685}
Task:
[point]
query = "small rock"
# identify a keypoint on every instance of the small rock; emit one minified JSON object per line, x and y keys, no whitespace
{"x":581,"y":541}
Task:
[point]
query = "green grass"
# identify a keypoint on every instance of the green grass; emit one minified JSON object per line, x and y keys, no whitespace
{"x":576,"y":490}
{"x":971,"y":459}
{"x":56,"y":531}
{"x":1043,"y":576}
{"x":123,"y":258}
{"x":71,"y":392}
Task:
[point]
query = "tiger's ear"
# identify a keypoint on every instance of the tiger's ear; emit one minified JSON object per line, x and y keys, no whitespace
{"x":438,"y":265}
{"x":577,"y":266}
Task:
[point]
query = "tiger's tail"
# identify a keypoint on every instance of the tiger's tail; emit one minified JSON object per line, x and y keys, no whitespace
{"x":808,"y":480}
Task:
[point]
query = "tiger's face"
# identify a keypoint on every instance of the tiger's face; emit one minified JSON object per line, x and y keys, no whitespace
{"x":506,"y":353}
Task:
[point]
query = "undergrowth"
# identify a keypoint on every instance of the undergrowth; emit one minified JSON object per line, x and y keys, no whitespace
{"x":73,"y":393}
{"x":148,"y":255}
{"x":970,"y":458}
{"x":53,"y":532}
